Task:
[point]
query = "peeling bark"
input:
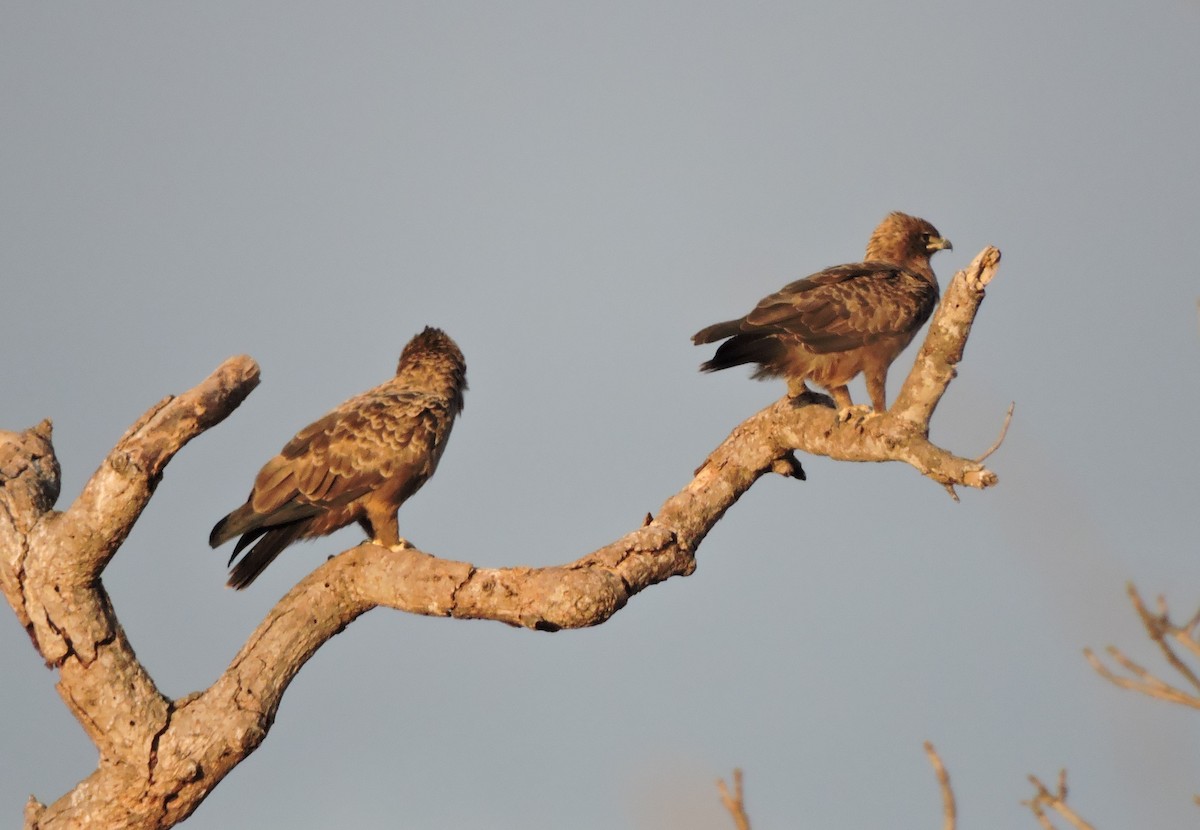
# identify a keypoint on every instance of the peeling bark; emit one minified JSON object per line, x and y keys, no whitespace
{"x":159,"y":758}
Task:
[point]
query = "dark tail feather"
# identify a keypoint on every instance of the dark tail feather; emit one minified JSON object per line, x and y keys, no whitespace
{"x":762,"y":349}
{"x":235,"y":524}
{"x":263,"y":553}
{"x":244,"y":543}
{"x":717,"y":331}
{"x":246,"y":521}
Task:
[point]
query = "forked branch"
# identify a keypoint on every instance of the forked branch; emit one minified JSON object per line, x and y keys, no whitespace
{"x":734,"y":801}
{"x":161,"y":757}
{"x":1175,"y":642}
{"x":1046,"y":801}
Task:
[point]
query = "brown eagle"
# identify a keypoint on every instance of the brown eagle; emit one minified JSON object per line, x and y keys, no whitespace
{"x":841,"y":321}
{"x":358,"y":463}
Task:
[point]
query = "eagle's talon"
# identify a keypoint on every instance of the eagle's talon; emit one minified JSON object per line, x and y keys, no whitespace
{"x":840,"y":322}
{"x":356,"y":464}
{"x":858,"y":413}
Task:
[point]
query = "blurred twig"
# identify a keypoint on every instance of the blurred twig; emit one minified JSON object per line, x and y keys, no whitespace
{"x":949,"y":810}
{"x":1043,"y":800}
{"x":1170,"y":639}
{"x":734,"y":802}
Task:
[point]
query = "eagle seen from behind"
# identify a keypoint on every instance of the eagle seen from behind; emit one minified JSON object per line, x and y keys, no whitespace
{"x":839,"y":322}
{"x":359,"y":463}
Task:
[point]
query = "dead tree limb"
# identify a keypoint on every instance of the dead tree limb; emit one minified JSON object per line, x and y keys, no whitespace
{"x":159,"y":757}
{"x":1174,"y":642}
{"x":1045,"y":800}
{"x":949,"y":806}
{"x":1169,"y":637}
{"x":734,"y":801}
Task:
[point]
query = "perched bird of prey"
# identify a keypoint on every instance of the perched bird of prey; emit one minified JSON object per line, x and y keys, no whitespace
{"x":841,"y":321}
{"x":357,"y":464}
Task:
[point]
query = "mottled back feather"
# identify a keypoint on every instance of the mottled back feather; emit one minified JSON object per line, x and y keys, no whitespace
{"x":358,"y":463}
{"x":843,"y":320}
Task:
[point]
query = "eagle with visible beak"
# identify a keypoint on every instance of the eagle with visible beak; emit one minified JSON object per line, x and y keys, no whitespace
{"x":839,"y":322}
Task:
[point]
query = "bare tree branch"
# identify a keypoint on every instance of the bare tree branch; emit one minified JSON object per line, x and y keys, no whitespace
{"x":1162,"y":632}
{"x":1044,"y":800}
{"x":161,"y":757}
{"x":50,"y":564}
{"x":949,"y":808}
{"x":942,"y":350}
{"x":734,"y":802}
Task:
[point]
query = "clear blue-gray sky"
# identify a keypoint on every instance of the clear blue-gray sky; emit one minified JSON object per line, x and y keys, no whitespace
{"x":572,"y":189}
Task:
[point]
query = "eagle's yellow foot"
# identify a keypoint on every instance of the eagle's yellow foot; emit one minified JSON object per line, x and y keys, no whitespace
{"x":403,"y":544}
{"x":858,"y":413}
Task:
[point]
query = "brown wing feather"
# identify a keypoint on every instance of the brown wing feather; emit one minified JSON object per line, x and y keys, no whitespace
{"x":348,"y":453}
{"x":357,"y":463}
{"x":842,"y":321}
{"x":845,"y":307}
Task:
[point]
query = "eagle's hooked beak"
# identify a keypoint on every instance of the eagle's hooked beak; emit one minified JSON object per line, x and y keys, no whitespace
{"x":940,"y":243}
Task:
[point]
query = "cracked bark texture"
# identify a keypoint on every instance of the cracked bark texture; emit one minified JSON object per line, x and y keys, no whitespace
{"x":159,"y":757}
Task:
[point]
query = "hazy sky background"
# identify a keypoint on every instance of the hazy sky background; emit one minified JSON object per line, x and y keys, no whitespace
{"x":570,"y":190}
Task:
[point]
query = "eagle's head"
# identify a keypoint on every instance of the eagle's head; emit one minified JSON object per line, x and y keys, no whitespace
{"x":906,"y":240}
{"x":433,"y":360}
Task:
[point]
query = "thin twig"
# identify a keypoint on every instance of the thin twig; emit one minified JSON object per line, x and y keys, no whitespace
{"x":1040,"y":815}
{"x":734,"y":803}
{"x":1003,"y":433}
{"x":1191,"y":624}
{"x":1146,"y":683}
{"x":949,"y":809}
{"x":1056,"y":801}
{"x":1158,"y":628}
{"x":1186,"y":637}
